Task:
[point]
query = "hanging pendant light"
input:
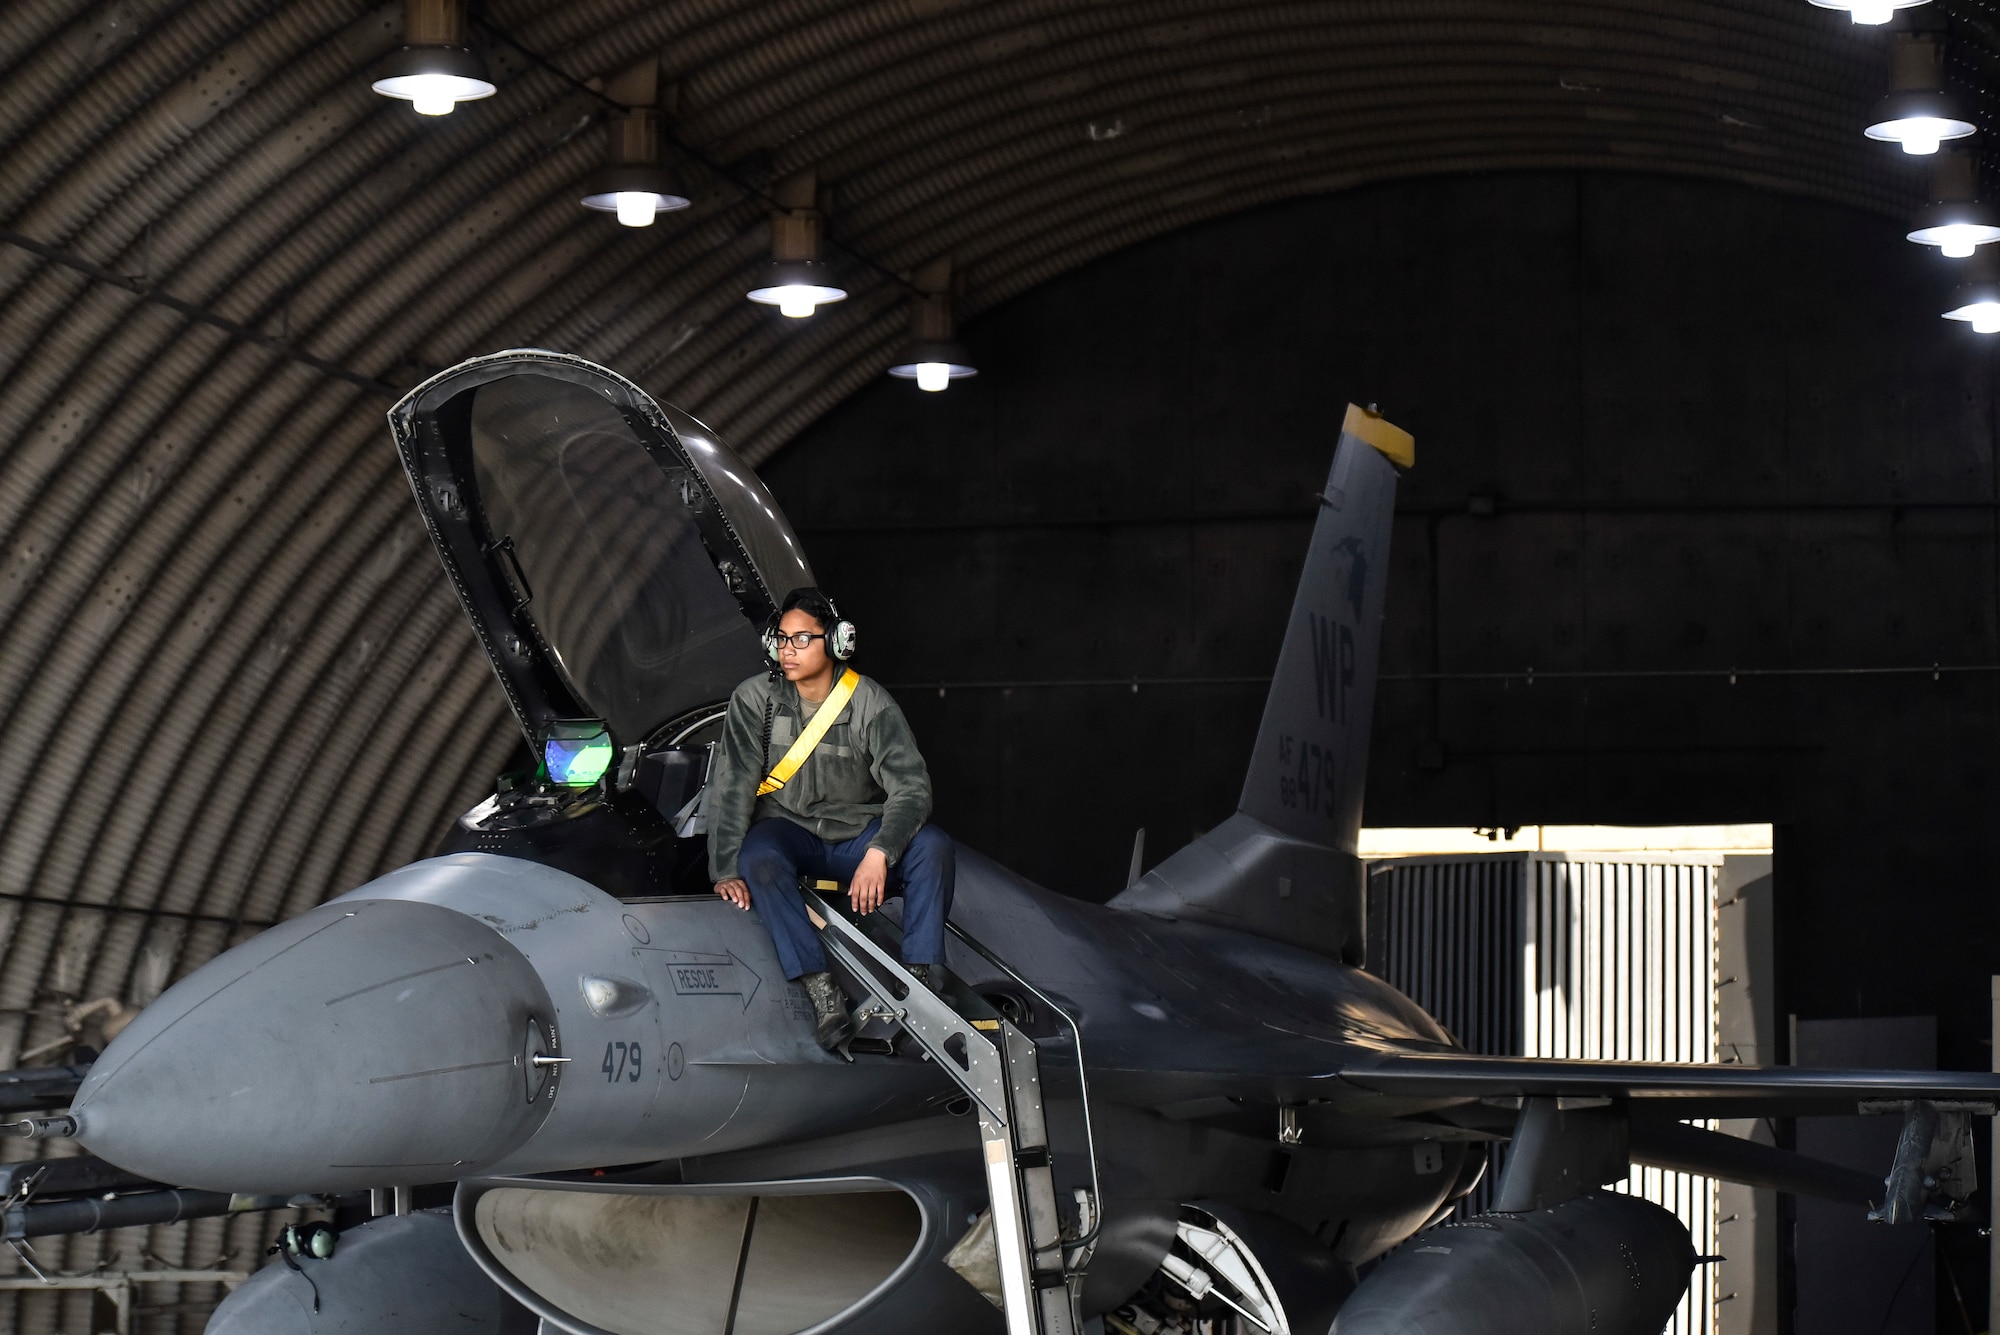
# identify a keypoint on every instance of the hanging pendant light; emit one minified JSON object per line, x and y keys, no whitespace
{"x":798,"y":281}
{"x":932,"y":357}
{"x":434,"y":70}
{"x":1869,"y":11}
{"x":1977,"y":300}
{"x":1918,"y":113}
{"x":633,"y":184}
{"x":1957,"y":221}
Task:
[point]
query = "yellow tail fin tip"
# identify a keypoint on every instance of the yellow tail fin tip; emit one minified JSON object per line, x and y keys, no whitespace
{"x":1396,"y":444}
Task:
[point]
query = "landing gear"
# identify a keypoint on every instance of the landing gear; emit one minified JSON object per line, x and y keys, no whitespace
{"x":1164,"y":1312}
{"x":1209,"y":1284}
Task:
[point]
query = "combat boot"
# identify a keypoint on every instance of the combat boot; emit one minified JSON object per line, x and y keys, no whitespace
{"x":835,"y":1027}
{"x":932,"y":976}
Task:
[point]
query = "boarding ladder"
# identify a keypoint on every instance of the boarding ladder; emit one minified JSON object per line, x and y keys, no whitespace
{"x":998,"y":1067}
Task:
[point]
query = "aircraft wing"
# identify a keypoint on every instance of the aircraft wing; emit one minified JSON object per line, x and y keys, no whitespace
{"x":1673,"y":1090}
{"x":1635,"y":1112}
{"x":1470,"y":1089}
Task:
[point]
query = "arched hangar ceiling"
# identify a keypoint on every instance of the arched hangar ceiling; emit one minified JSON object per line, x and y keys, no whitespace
{"x":232,"y":682}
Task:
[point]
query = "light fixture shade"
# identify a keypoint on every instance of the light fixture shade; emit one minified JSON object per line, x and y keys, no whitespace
{"x":1918,"y":113}
{"x":1869,"y":11}
{"x":933,"y":363}
{"x":1919,"y":120}
{"x":1977,"y":300}
{"x":607,"y":184}
{"x":797,"y":282}
{"x":796,"y":287}
{"x":632,"y":183}
{"x":434,"y":79}
{"x":932,"y":357}
{"x":1983,"y":315}
{"x":1957,"y":226}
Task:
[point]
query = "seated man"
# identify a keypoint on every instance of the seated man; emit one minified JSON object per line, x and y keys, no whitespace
{"x":853,"y":811}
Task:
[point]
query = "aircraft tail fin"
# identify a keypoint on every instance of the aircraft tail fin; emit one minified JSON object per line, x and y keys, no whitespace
{"x":1311,"y":758}
{"x":1285,"y":864}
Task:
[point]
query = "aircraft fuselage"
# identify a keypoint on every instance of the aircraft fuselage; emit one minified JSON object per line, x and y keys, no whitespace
{"x":415,"y":1008}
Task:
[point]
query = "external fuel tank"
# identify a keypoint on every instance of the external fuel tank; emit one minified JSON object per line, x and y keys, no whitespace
{"x":1601,"y":1264}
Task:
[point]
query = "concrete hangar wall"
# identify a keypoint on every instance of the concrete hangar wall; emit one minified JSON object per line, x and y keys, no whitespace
{"x":1665,"y":428}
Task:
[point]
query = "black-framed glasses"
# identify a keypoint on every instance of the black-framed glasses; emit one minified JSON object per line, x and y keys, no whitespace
{"x":801,"y":639}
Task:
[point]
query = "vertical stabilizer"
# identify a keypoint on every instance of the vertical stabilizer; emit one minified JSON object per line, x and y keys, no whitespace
{"x":1311,"y":760}
{"x":1284,"y":865}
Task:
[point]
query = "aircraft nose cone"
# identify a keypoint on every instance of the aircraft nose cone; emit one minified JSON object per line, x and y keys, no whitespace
{"x":368,"y":1043}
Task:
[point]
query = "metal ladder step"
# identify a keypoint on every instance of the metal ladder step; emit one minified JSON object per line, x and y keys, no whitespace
{"x":999,"y":1068}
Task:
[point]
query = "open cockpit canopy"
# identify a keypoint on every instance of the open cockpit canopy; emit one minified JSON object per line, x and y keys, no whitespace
{"x":616,"y":559}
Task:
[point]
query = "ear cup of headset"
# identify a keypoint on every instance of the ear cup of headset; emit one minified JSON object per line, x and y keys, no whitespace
{"x":840,"y":640}
{"x":315,"y":1240}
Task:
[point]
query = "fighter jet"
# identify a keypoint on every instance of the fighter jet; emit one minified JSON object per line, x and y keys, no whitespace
{"x":1191,"y":1109}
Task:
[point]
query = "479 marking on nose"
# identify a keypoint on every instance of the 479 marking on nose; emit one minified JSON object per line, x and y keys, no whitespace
{"x":621,"y":1062}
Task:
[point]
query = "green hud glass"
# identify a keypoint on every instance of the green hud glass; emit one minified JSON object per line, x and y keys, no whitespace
{"x":577,"y":751}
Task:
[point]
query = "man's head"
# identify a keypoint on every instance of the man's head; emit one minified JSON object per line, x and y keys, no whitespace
{"x":806,"y":612}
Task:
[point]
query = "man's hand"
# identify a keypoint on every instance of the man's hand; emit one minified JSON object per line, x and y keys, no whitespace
{"x":871,"y":878}
{"x":735,"y":890}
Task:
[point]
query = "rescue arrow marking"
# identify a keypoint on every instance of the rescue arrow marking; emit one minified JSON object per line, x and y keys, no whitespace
{"x":699,"y":975}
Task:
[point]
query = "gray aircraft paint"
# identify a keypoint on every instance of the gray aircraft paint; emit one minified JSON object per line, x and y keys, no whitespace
{"x":1307,"y":772}
{"x":407,"y":1274}
{"x":410,"y":1015}
{"x":750,"y":1072}
{"x":752,"y":1077}
{"x":1598,"y":1262}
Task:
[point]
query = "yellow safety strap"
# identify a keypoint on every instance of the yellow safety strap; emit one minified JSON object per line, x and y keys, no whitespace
{"x":788,"y":765}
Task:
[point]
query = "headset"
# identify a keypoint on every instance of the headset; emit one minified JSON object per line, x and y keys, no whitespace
{"x":313,"y":1240}
{"x":840,"y":636}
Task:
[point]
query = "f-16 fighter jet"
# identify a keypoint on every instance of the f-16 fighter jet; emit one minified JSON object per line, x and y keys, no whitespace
{"x":1190,"y":1108}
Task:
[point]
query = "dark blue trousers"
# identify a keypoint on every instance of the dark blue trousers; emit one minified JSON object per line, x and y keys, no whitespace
{"x":776,"y":853}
